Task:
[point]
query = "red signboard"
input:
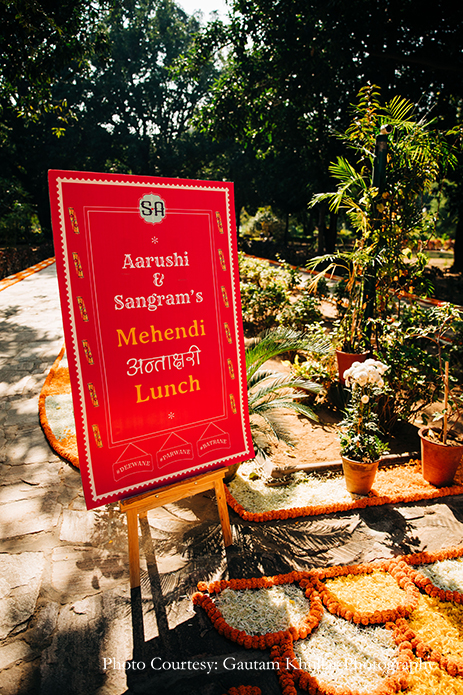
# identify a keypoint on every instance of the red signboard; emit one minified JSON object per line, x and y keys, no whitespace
{"x":149,"y":287}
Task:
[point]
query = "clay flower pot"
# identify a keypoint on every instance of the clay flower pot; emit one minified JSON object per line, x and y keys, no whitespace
{"x":359,"y":476}
{"x":231,"y":472}
{"x":439,"y":462}
{"x":345,"y":361}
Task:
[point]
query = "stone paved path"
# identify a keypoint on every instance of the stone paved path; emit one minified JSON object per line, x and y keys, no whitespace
{"x":64,"y":589}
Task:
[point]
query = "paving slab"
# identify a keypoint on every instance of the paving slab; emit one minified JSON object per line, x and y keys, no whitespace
{"x":20,"y":581}
{"x":31,"y":515}
{"x":14,"y":652}
{"x":84,"y":571}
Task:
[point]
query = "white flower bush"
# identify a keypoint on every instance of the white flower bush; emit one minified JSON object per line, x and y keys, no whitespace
{"x":362,"y":373}
{"x":359,"y":429}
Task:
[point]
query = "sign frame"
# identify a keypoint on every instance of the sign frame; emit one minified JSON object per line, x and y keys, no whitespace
{"x":113,"y":325}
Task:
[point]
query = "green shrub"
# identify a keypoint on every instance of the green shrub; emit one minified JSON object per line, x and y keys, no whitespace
{"x":300,"y":313}
{"x":409,"y":344}
{"x":270,"y":296}
{"x":261,"y":305}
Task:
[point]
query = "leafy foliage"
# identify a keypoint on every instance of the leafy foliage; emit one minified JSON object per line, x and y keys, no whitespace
{"x":269,"y":391}
{"x":299,"y":314}
{"x":41,"y":38}
{"x":414,"y":346}
{"x":388,"y":215}
{"x":270,"y":296}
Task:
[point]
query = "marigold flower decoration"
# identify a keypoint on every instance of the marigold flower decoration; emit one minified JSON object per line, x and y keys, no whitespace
{"x":268,"y":640}
{"x":395,"y":494}
{"x":397,"y":569}
{"x":280,"y":643}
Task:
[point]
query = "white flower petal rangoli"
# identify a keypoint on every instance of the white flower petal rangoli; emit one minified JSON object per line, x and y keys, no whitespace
{"x":345,"y":655}
{"x":446,"y":574}
{"x":306,"y":490}
{"x":258,"y":611}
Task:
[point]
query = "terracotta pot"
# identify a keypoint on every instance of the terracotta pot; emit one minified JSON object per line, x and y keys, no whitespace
{"x":346,"y":360}
{"x":359,"y":476}
{"x":439,"y":462}
{"x":231,"y":471}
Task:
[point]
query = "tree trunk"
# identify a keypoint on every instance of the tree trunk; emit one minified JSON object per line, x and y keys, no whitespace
{"x":331,"y":233}
{"x":286,"y":236}
{"x":457,"y":266}
{"x":321,"y":228}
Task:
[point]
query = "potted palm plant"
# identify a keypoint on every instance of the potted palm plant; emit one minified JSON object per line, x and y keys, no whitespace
{"x":361,"y":447}
{"x":385,"y":213}
{"x":270,"y":391}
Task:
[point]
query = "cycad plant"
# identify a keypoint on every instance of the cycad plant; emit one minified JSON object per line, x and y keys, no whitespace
{"x":389,"y":219}
{"x":270,"y":391}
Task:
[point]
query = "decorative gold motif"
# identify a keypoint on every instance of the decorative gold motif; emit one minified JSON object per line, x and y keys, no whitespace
{"x":222,"y":260}
{"x":77,"y":264}
{"x":228,"y":332}
{"x":93,"y":395}
{"x":88,"y":352}
{"x":219,"y":222}
{"x":97,"y":435}
{"x":73,"y":218}
{"x":230,"y":368}
{"x":82,"y":309}
{"x":225,"y":297}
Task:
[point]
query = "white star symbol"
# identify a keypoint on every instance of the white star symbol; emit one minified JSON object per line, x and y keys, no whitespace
{"x":154,"y":240}
{"x":171,"y":416}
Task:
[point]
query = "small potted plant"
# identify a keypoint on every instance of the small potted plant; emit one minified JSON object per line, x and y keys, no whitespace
{"x":361,"y":447}
{"x":442,"y":447}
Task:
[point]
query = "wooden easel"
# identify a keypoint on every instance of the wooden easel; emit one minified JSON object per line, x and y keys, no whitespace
{"x":140,"y":505}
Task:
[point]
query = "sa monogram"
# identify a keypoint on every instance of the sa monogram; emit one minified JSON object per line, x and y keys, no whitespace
{"x":152,"y":208}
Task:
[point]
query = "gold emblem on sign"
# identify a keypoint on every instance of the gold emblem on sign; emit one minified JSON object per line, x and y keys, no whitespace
{"x":97,"y":435}
{"x":82,"y":309}
{"x":225,"y":297}
{"x":93,"y":395}
{"x":87,"y":352}
{"x":219,"y":222}
{"x":77,"y":264}
{"x":73,"y":218}
{"x":223,"y":265}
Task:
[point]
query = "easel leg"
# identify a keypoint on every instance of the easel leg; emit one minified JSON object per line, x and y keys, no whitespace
{"x":223,"y":512}
{"x":138,"y":631}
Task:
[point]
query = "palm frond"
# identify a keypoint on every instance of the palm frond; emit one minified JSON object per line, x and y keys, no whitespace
{"x":260,"y":376}
{"x":277,"y":382}
{"x":276,"y":342}
{"x":269,"y":392}
{"x":277,"y":428}
{"x":399,"y":110}
{"x":286,"y":403}
{"x":343,"y":170}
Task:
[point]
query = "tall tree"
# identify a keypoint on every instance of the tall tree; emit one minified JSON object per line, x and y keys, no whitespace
{"x":295,"y":66}
{"x":129,"y":110}
{"x":38,"y":38}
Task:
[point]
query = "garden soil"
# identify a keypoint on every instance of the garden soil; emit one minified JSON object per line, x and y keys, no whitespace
{"x":317,"y":442}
